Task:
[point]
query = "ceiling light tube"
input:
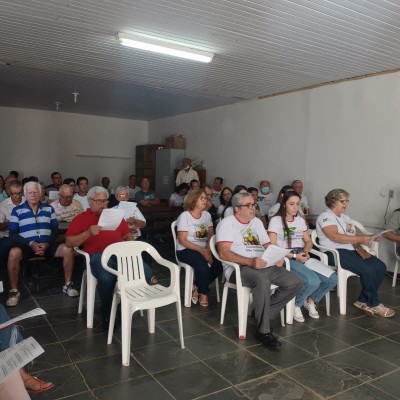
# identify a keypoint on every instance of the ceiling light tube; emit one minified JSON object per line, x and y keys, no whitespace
{"x":163,"y":47}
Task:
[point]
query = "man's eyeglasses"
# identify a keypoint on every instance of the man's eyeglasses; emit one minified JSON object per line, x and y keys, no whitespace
{"x":16,"y":194}
{"x":250,"y":205}
{"x":32,"y":193}
{"x":99,"y":202}
{"x":66,"y":197}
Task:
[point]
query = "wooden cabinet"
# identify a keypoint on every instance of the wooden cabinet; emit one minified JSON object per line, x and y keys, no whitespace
{"x":146,"y":161}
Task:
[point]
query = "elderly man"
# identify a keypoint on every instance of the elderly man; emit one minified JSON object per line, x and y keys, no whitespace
{"x":33,"y":229}
{"x":146,"y":197}
{"x":298,"y":187}
{"x":85,"y":230}
{"x":210,"y":207}
{"x":233,"y":242}
{"x":217,"y":189}
{"x":187,"y":173}
{"x":6,"y":206}
{"x":265,"y":197}
{"x":66,"y":207}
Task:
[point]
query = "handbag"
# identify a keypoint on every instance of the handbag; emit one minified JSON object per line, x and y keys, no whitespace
{"x":361,"y":251}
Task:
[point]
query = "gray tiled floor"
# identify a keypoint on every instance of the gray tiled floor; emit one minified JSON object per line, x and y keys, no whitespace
{"x":337,"y":357}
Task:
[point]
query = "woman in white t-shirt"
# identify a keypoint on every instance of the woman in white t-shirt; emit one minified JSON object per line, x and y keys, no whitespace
{"x":335,"y":230}
{"x":195,"y":229}
{"x":178,"y":197}
{"x":224,"y":199}
{"x":290,"y":231}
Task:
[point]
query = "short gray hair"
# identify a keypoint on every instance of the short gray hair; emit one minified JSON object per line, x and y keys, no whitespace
{"x":334,"y":196}
{"x":96,"y":190}
{"x":120,"y":189}
{"x":237,"y":199}
{"x":29,"y":185}
{"x":64,"y":188}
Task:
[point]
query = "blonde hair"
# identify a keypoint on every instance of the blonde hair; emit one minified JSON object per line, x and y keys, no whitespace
{"x":334,"y":196}
{"x":191,"y":199}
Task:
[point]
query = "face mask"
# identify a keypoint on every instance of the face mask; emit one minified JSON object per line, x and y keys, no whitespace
{"x":265,"y":190}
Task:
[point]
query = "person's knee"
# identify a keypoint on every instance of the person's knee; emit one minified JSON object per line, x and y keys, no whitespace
{"x":15,"y":254}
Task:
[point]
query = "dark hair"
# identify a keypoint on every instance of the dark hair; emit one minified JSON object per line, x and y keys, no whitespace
{"x":30,"y":179}
{"x":221,"y":196}
{"x":14,"y":173}
{"x":282,"y":213}
{"x":220,"y":179}
{"x":182,"y":186}
{"x":193,"y":180}
{"x":237,"y":189}
{"x":67,"y":181}
{"x":1,"y":176}
{"x":55,"y":173}
{"x":82,"y":178}
{"x":252,"y":189}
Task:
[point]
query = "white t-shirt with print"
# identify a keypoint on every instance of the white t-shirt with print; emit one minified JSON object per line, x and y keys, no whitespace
{"x":344,"y":225}
{"x":304,"y":205}
{"x":247,"y":240}
{"x":177,"y":199}
{"x":136,"y":214}
{"x":297,"y":228}
{"x":196,"y":228}
{"x":215,"y":198}
{"x":265,"y":201}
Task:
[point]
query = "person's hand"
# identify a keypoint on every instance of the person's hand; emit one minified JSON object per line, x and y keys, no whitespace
{"x":280,"y":263}
{"x":302,"y":257}
{"x":94,"y":230}
{"x":258,"y":263}
{"x":40,"y":248}
{"x":365,"y":239}
{"x":208,"y":255}
{"x":378,"y":238}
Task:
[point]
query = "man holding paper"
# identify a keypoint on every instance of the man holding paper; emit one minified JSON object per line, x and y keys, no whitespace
{"x":242,"y":239}
{"x":86,"y":229}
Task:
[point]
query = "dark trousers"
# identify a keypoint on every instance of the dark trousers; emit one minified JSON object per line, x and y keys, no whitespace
{"x":371,"y":272}
{"x":203,"y":273}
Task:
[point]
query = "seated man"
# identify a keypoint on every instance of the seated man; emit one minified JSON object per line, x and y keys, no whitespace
{"x":84,"y":230}
{"x":298,"y":187}
{"x":233,"y":245}
{"x":132,"y":187}
{"x":66,"y":207}
{"x":146,"y":197}
{"x":187,"y":173}
{"x":258,"y":213}
{"x":81,"y":196}
{"x":209,"y":205}
{"x":6,"y":206}
{"x":56,"y":182}
{"x":217,"y":189}
{"x":33,"y":229}
{"x":265,"y":197}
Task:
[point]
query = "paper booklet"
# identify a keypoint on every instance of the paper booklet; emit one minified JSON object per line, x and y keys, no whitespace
{"x":129,"y":208}
{"x":376,"y":235}
{"x":110,"y":218}
{"x":273,"y":254}
{"x":17,"y":356}
{"x":29,"y":314}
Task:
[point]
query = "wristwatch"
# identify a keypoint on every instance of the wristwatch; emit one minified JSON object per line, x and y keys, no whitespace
{"x":30,"y":243}
{"x":294,"y":256}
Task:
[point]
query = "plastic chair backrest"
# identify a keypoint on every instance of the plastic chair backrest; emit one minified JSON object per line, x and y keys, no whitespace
{"x":173,"y":229}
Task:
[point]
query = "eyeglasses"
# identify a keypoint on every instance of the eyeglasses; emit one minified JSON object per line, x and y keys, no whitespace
{"x":344,"y":201}
{"x":16,"y":194}
{"x":122,"y":195}
{"x":66,"y":197}
{"x":32,"y":193}
{"x":250,"y":205}
{"x":99,"y":202}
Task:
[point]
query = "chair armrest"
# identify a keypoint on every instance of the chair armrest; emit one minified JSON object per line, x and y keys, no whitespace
{"x":287,"y":263}
{"x":84,"y":254}
{"x":322,"y":256}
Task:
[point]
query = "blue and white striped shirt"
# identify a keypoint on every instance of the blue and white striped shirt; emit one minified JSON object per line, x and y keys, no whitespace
{"x":33,"y":227}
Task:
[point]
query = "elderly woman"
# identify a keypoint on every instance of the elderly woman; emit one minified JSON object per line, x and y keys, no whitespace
{"x":195,"y":229}
{"x":178,"y":197}
{"x":335,"y":230}
{"x":135,"y":221}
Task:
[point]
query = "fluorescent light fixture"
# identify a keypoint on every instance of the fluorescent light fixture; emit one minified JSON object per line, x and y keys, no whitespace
{"x":163,"y":47}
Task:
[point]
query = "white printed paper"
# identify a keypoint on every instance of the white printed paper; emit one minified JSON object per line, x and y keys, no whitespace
{"x":129,"y":208}
{"x":54,"y":195}
{"x":29,"y":314}
{"x":376,"y":235}
{"x":317,"y":266}
{"x":111,"y":218}
{"x":17,"y":356}
{"x":273,"y":254}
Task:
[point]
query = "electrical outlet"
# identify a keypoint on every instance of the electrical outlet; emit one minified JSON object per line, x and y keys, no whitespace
{"x":391,"y":194}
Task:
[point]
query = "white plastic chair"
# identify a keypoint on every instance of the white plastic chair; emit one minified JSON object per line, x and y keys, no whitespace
{"x":343,"y":274}
{"x":373,"y":248}
{"x":396,"y":265}
{"x":189,"y":274}
{"x":244,"y":297}
{"x":135,"y":293}
{"x":88,"y":287}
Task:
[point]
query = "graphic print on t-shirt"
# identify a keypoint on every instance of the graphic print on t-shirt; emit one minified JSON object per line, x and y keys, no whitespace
{"x":350,"y":229}
{"x":200,"y":231}
{"x":250,"y":237}
{"x":292,"y":230}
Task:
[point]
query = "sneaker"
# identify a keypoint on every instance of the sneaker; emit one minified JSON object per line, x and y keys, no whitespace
{"x":298,"y":315}
{"x":13,"y":298}
{"x":312,"y":311}
{"x":69,"y":290}
{"x":268,"y":339}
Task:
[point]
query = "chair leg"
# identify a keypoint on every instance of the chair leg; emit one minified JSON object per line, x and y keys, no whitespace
{"x":395,"y":272}
{"x":223,"y":305}
{"x":217,"y":290}
{"x":342,"y":292}
{"x":283,"y":317}
{"x":126,"y":328}
{"x":290,"y":311}
{"x":113,"y":314}
{"x":90,"y":297}
{"x":243,"y":305}
{"x":189,"y":274}
{"x":82,"y":293}
{"x":151,"y":320}
{"x":180,"y":325}
{"x":328,"y":304}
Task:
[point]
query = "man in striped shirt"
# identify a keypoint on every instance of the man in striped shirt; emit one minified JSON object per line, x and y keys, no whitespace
{"x":33,"y":228}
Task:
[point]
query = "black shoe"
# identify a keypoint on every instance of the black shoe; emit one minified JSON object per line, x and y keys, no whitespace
{"x":268,"y":339}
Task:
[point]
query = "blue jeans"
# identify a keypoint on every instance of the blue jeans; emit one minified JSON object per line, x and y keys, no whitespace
{"x":311,"y":283}
{"x":106,"y":281}
{"x":9,"y":336}
{"x":203,"y":274}
{"x":371,"y":272}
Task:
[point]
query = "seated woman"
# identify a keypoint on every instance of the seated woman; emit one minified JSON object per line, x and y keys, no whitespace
{"x":258,"y":213}
{"x":335,"y":230}
{"x":224,"y":199}
{"x":146,"y":197}
{"x":290,"y":231}
{"x":275,"y":208}
{"x":195,"y":229}
{"x":178,"y":197}
{"x":228,"y":210}
{"x":17,"y":386}
{"x":135,"y":221}
{"x":3,"y":193}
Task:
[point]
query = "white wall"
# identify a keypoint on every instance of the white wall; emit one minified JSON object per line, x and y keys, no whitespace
{"x":342,"y":135}
{"x":40,"y":142}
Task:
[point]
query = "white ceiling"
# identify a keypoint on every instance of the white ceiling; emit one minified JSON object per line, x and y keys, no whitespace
{"x":51,"y":48}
